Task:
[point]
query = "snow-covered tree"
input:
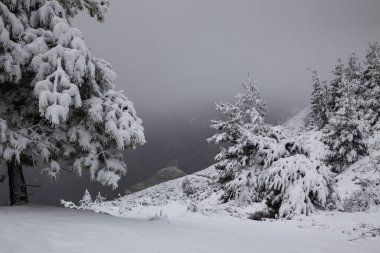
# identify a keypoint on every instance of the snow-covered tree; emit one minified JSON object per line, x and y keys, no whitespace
{"x":270,"y":146}
{"x":347,"y":129}
{"x":370,"y":96}
{"x":334,"y":86}
{"x":249,"y":146}
{"x":57,"y":101}
{"x":353,"y":71}
{"x":319,"y":101}
{"x":245,"y":114}
{"x":296,"y":184}
{"x":253,"y":157}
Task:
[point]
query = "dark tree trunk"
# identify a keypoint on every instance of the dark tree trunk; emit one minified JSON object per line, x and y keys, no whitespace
{"x":17,"y":186}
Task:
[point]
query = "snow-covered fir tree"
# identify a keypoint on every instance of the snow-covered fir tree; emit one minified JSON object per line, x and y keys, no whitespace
{"x":58,"y":101}
{"x":251,"y":149}
{"x":370,"y":96}
{"x":244,"y":115}
{"x":355,"y":92}
{"x":246,"y":112}
{"x":353,"y":71}
{"x":347,"y":129}
{"x":319,"y":101}
{"x":334,"y":86}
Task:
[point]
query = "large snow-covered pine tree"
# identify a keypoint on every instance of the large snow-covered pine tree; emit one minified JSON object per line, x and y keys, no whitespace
{"x":58,"y":101}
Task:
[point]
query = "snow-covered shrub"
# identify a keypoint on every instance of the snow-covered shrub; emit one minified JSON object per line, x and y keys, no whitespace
{"x":368,"y":196}
{"x":262,"y":215}
{"x":296,"y":184}
{"x":192,"y":207}
{"x":187,"y":187}
{"x":86,"y":203}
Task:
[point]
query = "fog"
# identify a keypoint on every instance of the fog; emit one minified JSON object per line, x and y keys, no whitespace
{"x":173,"y":56}
{"x":175,"y":59}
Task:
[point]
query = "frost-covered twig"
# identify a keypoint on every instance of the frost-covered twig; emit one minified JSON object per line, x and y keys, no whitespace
{"x":370,"y":233}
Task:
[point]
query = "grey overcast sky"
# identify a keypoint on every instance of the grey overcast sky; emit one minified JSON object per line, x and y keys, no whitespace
{"x":174,"y":55}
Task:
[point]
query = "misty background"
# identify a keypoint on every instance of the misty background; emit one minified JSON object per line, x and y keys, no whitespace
{"x":175,"y":59}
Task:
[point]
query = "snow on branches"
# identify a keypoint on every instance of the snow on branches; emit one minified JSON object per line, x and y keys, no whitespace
{"x":55,"y":94}
{"x":257,"y":162}
{"x":295,"y":184}
{"x":348,"y":107}
{"x":57,"y":101}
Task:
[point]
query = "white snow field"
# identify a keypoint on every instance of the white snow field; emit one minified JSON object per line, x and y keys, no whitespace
{"x":51,"y":229}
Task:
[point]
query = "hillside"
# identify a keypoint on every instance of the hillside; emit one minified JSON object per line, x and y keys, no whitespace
{"x":200,"y":193}
{"x":163,"y":175}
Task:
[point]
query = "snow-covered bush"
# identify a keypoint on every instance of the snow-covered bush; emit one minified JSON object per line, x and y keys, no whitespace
{"x":262,"y":215}
{"x":296,"y":184}
{"x":187,"y":187}
{"x":192,"y":207}
{"x":86,"y":203}
{"x":368,"y":196}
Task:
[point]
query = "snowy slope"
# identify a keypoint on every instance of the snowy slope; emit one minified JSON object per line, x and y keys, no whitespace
{"x":296,"y":127}
{"x":197,"y":197}
{"x":185,"y":215}
{"x":163,"y":175}
{"x":59,"y":230}
{"x":297,"y":124}
{"x":199,"y":192}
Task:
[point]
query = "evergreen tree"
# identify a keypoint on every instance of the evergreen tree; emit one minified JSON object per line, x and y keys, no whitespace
{"x":319,"y":101}
{"x":335,"y":86}
{"x":347,"y":129}
{"x":250,"y":146}
{"x":243,"y":116}
{"x":257,"y":157}
{"x":371,"y":85}
{"x":57,"y":101}
{"x":353,"y":71}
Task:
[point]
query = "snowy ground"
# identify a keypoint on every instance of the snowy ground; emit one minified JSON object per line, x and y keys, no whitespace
{"x":50,"y":229}
{"x":185,"y":215}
